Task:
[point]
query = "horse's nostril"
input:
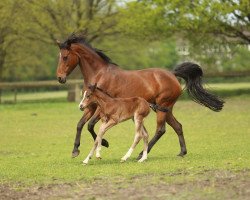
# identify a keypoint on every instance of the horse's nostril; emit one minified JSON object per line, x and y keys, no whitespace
{"x":61,"y":79}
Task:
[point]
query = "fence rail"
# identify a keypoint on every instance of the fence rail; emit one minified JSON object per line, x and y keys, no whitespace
{"x":73,"y":87}
{"x":38,"y":84}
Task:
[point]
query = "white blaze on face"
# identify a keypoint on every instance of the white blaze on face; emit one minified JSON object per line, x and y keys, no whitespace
{"x":83,"y":98}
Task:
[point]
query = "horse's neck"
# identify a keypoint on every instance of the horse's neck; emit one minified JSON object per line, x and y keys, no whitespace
{"x":90,"y":63}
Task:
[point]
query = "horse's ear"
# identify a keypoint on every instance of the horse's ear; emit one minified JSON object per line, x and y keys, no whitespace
{"x":58,"y":43}
{"x":68,"y":45}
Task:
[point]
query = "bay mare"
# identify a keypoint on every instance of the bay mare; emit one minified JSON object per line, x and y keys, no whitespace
{"x":155,"y":85}
{"x":114,"y":111}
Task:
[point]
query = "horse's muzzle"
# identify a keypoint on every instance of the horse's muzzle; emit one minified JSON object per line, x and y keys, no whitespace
{"x":62,"y":80}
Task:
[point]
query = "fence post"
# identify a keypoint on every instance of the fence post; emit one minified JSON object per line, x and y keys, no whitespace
{"x":15,"y":95}
{"x":74,"y":93}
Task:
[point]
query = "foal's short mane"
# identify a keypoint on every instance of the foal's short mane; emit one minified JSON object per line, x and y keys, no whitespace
{"x":82,"y":39}
{"x":103,"y":92}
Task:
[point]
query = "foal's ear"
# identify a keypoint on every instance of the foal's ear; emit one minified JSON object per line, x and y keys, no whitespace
{"x":92,"y":87}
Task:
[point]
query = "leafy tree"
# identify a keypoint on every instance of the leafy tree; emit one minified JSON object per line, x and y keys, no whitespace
{"x":8,"y":31}
{"x":211,"y":30}
{"x":133,"y":54}
{"x":229,"y":21}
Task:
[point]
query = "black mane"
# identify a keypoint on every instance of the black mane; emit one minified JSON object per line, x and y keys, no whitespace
{"x":82,"y":39}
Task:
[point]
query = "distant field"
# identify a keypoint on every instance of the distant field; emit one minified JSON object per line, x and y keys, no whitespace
{"x":37,"y":139}
{"x":35,"y":96}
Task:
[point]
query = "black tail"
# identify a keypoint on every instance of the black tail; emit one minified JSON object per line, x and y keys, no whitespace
{"x":192,"y":74}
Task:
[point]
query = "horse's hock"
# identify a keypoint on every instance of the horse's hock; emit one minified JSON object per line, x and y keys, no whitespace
{"x":74,"y":93}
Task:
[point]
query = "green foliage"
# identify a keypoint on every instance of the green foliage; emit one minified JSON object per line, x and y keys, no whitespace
{"x":150,"y":29}
{"x":195,"y":20}
{"x":212,"y":31}
{"x":134,"y":54}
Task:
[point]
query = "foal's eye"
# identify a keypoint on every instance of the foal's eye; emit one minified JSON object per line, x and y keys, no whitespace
{"x":65,"y":58}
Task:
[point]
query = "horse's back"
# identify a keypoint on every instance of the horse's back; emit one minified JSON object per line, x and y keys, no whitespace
{"x":146,"y":83}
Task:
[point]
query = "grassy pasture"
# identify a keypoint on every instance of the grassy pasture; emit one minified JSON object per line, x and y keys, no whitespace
{"x":37,"y":139}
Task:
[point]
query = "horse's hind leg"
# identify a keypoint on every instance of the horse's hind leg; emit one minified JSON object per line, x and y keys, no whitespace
{"x":160,"y":130}
{"x":178,"y":129}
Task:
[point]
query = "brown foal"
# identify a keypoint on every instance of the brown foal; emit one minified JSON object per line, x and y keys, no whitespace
{"x":114,"y":111}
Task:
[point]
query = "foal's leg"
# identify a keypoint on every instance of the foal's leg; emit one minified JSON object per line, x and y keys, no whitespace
{"x":138,"y":136}
{"x":145,"y":149}
{"x":86,"y":116}
{"x":178,"y":129}
{"x":97,"y":144}
{"x":94,"y":119}
{"x":160,"y":130}
{"x":99,"y":139}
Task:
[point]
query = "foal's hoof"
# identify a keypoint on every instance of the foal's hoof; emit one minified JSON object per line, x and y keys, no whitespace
{"x":122,"y":161}
{"x":142,"y":160}
{"x":139,"y":157}
{"x":75,"y":153}
{"x":99,"y":158}
{"x":105,"y":143}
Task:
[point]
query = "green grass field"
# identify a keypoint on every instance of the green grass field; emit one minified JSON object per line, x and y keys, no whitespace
{"x":37,"y":140}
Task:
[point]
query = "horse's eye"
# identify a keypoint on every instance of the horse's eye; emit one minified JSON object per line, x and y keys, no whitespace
{"x":65,"y":58}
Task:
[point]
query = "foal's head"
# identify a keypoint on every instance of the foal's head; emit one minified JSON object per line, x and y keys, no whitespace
{"x":88,"y":97}
{"x":68,"y":60}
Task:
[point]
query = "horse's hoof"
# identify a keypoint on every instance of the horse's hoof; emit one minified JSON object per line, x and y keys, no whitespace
{"x":75,"y":153}
{"x":105,"y":143}
{"x":99,"y":158}
{"x":122,"y":161}
{"x":182,"y":154}
{"x":84,"y":164}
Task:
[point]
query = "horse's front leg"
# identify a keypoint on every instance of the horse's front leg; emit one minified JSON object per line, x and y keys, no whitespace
{"x":94,"y":119}
{"x":88,"y":112}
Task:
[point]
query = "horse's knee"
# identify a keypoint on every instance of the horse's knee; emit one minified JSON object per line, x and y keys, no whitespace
{"x":80,"y":125}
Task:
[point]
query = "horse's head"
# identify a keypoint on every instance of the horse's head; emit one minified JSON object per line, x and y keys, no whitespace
{"x":88,"y":97}
{"x":68,"y":60}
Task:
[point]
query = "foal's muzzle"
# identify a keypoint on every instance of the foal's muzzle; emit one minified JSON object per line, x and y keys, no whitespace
{"x":81,"y":107}
{"x":62,"y":80}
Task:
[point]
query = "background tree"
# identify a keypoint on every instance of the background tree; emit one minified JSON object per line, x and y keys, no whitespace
{"x":214,"y":32}
{"x":211,"y":30}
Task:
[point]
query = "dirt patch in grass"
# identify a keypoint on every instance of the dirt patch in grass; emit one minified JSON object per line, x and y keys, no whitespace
{"x":207,"y":185}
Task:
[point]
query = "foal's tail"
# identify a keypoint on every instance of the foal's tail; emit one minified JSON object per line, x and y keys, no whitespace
{"x":192,"y":74}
